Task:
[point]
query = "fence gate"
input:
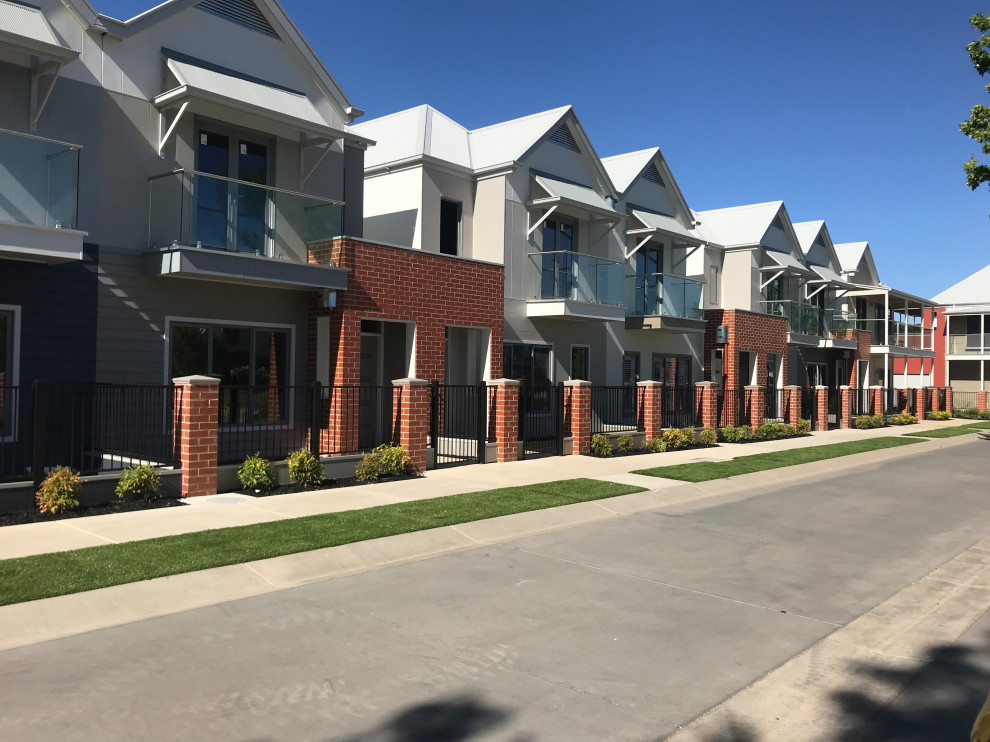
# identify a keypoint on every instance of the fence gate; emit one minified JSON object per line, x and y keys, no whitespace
{"x":541,"y":420}
{"x":773,"y":407}
{"x":809,"y":406}
{"x":458,"y":423}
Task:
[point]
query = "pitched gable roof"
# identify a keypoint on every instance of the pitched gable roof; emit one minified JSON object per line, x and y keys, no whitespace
{"x":974,"y":289}
{"x":853,"y":255}
{"x":626,"y":169}
{"x":742,"y":226}
{"x":814,"y":233}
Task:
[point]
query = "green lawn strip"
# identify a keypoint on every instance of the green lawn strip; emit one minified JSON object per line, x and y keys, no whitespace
{"x":985,"y":425}
{"x":62,"y":573}
{"x":708,"y":470}
{"x":950,"y":432}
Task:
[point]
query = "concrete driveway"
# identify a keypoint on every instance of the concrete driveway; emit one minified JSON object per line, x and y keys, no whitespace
{"x":622,"y":630}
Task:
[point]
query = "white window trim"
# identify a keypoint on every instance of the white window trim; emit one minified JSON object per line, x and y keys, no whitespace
{"x":15,"y":362}
{"x":570,"y":370}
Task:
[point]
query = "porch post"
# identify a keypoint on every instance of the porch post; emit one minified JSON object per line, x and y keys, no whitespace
{"x":198,"y":418}
{"x":578,"y":400}
{"x":506,"y":419}
{"x":411,"y":418}
{"x":981,"y":401}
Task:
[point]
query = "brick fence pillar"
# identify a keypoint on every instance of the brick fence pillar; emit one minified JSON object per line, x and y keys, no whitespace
{"x":981,"y":401}
{"x":907,"y":399}
{"x":756,"y":404}
{"x":578,"y":398}
{"x":933,"y":395}
{"x":708,"y":403}
{"x":411,"y":418}
{"x":919,"y":402}
{"x":792,"y":399}
{"x":821,"y":405}
{"x":845,"y":404}
{"x":506,"y":419}
{"x":650,"y":407}
{"x":199,"y":408}
{"x":948,"y":399}
{"x":877,"y":393}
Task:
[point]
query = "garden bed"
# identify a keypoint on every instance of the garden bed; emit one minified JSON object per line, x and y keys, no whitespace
{"x":328,"y":484}
{"x":19,"y":517}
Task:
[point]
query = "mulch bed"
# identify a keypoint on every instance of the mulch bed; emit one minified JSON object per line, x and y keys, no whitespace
{"x":288,"y":489}
{"x":639,"y":451}
{"x":18,"y":517}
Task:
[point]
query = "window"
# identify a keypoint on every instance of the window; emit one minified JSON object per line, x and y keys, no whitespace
{"x":450,"y":227}
{"x":7,"y":348}
{"x":775,"y":290}
{"x":630,"y":368}
{"x":528,"y":363}
{"x":648,"y":294}
{"x":8,"y":372}
{"x":559,"y":239}
{"x":251,"y":363}
{"x":713,"y":285}
{"x":579,"y":362}
{"x":973,"y":331}
{"x":816,"y":374}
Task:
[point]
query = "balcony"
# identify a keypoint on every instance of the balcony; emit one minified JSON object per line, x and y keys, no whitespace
{"x":570,"y":285}
{"x":912,"y":337}
{"x":39,"y":187}
{"x":215,"y":228}
{"x":812,"y":325}
{"x":969,"y":344}
{"x":656,"y":301}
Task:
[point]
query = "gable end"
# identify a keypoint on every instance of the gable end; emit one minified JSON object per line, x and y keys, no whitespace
{"x":562,"y":136}
{"x":242,"y":12}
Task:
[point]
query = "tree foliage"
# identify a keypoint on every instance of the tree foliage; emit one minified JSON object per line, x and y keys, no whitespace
{"x":978,"y":125}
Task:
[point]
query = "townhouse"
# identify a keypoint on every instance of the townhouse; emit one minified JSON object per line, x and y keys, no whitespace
{"x":962,"y":338}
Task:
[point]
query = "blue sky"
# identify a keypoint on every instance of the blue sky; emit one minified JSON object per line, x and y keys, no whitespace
{"x":847,"y":111}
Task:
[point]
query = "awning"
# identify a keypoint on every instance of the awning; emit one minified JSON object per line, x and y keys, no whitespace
{"x":784,"y":261}
{"x":827,"y":275}
{"x":278,"y":105}
{"x":25,"y":29}
{"x":665,"y":225}
{"x":569,"y":194}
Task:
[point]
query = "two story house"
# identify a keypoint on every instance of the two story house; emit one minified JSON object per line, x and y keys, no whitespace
{"x":962,"y":337}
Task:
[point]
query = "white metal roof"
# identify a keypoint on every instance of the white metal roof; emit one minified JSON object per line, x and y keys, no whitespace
{"x":27,"y":28}
{"x":276,"y":104}
{"x":741,"y":225}
{"x":974,"y":289}
{"x":807,"y":233}
{"x":573,"y":195}
{"x":666,"y":225}
{"x":508,"y":141}
{"x":850,"y":253}
{"x":624,"y":169}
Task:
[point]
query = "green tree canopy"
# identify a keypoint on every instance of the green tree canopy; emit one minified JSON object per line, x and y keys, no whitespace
{"x":978,"y":125}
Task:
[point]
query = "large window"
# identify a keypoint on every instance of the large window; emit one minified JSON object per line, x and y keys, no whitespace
{"x":251,"y":363}
{"x":528,"y":363}
{"x":579,"y":363}
{"x":450,"y":227}
{"x":559,"y":239}
{"x":8,"y":372}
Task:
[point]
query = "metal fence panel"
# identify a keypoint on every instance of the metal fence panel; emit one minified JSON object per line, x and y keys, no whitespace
{"x":541,"y":419}
{"x":614,"y":409}
{"x":458,"y":423}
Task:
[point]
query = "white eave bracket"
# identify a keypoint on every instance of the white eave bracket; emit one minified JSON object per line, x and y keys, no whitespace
{"x":536,"y":225}
{"x":772,"y":278}
{"x":40,"y":91}
{"x":163,"y":140}
{"x":306,"y":145}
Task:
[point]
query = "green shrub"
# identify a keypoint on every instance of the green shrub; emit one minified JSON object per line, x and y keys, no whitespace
{"x":304,"y":468}
{"x":970,"y":413}
{"x":803,"y":427}
{"x":878,"y":421}
{"x":786,"y":430}
{"x":59,"y":492}
{"x":601,"y":446}
{"x":256,"y":473}
{"x":625,"y":443}
{"x":672,"y":438}
{"x":655,"y":445}
{"x":139,"y":482}
{"x":728,"y":434}
{"x":903,"y":419}
{"x":744,"y":433}
{"x":940,"y":415}
{"x":868,"y":422}
{"x":708,"y":436}
{"x":985,"y":415}
{"x":766,"y":432}
{"x":387,"y":460}
{"x":687,"y":436}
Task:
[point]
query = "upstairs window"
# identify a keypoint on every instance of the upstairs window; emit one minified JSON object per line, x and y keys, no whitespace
{"x":450,"y":227}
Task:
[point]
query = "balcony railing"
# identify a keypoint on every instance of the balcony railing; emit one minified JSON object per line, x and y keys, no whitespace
{"x":563,"y":274}
{"x":191,"y":208}
{"x":39,"y":180}
{"x":811,"y":319}
{"x":840,"y":325}
{"x":962,"y":344}
{"x":913,"y":336}
{"x":661,"y":295}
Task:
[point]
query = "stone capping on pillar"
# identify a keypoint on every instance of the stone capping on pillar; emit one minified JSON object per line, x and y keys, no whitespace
{"x":578,"y":412}
{"x":411,"y":418}
{"x":506,"y":419}
{"x":410,"y":382}
{"x":198,"y":426}
{"x":578,"y":382}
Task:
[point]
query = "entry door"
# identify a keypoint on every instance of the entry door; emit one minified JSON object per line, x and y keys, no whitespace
{"x":232,"y":216}
{"x":558,"y":278}
{"x":370,"y":405}
{"x":745,"y":371}
{"x":649,"y":264}
{"x":841,"y":374}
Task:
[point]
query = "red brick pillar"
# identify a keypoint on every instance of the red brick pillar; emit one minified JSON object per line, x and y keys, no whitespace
{"x":411,"y":418}
{"x":981,"y":401}
{"x":919,"y":396}
{"x":756,"y":404}
{"x":578,"y":396}
{"x":821,"y":401}
{"x":907,"y":399}
{"x":933,"y":396}
{"x":650,"y":408}
{"x":199,"y":405}
{"x":506,"y":419}
{"x":845,"y":403}
{"x":877,"y":392}
{"x":707,"y":403}
{"x":948,"y":399}
{"x":792,"y":398}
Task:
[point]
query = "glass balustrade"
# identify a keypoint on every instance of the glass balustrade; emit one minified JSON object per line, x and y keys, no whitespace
{"x":661,"y":295}
{"x":840,"y":325}
{"x":39,"y":180}
{"x":190,"y":208}
{"x":562,"y":274}
{"x":802,"y":318}
{"x":909,"y":335}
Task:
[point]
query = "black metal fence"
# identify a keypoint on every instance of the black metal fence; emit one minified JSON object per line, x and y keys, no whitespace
{"x":860,"y":402}
{"x":90,"y":428}
{"x":614,"y":409}
{"x":458,"y":423}
{"x":678,"y":406}
{"x":773,"y":404}
{"x":964,"y":400}
{"x":541,"y":419}
{"x":809,"y":406}
{"x":729,"y":407}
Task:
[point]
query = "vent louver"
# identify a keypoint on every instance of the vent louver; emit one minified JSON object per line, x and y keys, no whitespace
{"x":564,"y":138}
{"x":242,"y":12}
{"x":777,"y":223}
{"x":652,"y":174}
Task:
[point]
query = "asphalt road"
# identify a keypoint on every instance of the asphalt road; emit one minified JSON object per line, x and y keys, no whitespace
{"x":615,"y":631}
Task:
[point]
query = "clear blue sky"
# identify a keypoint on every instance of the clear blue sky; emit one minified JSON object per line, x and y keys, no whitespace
{"x":847,"y":111}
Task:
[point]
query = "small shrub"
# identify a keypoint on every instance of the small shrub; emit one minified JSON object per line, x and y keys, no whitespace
{"x":304,"y":468}
{"x":370,"y":468}
{"x":601,"y":446}
{"x":803,"y":427}
{"x":139,"y":482}
{"x":940,"y":415}
{"x":387,"y":460}
{"x":786,"y":430}
{"x":766,"y":432}
{"x":970,"y":413}
{"x":985,"y":415}
{"x":625,"y":443}
{"x":708,"y":436}
{"x":903,"y":419}
{"x":744,"y":433}
{"x":687,"y":436}
{"x":672,"y":438}
{"x":59,"y":492}
{"x":256,"y":473}
{"x":655,"y":445}
{"x":878,"y":421}
{"x":728,"y":434}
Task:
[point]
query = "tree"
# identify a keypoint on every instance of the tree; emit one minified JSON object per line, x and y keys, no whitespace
{"x":978,"y":125}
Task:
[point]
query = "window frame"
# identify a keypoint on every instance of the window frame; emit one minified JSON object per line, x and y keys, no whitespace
{"x":459,"y":241}
{"x":587,"y":361}
{"x":14,"y":361}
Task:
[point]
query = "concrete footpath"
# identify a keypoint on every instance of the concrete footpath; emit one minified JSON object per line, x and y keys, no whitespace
{"x":224,"y":510}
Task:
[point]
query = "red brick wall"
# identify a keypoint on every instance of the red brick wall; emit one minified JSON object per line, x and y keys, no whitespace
{"x":748,"y":331}
{"x":394,"y":283}
{"x":862,"y":353}
{"x":940,"y":346}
